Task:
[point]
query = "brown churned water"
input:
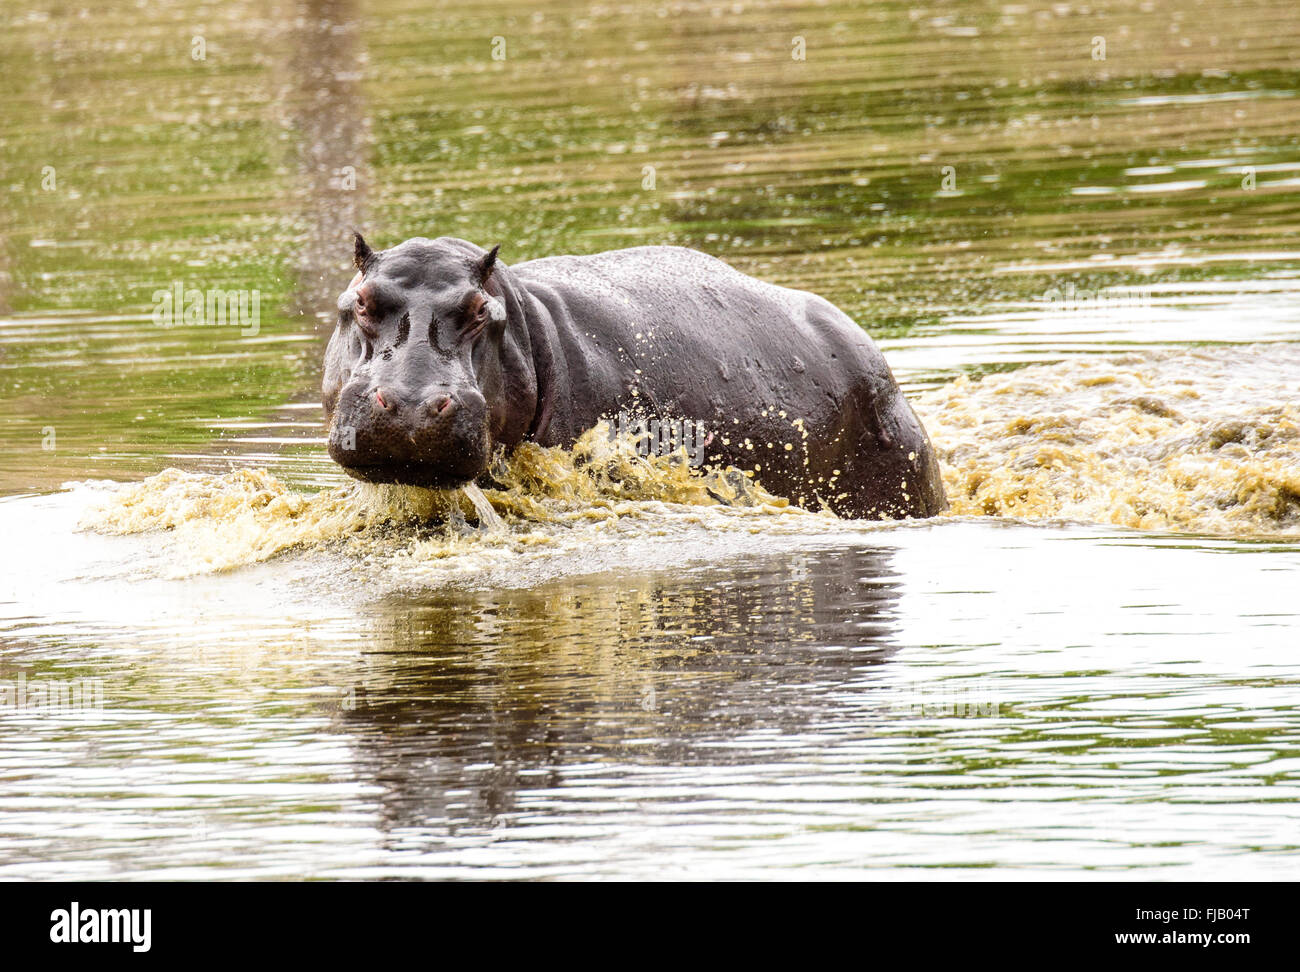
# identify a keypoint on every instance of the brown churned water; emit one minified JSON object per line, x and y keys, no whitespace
{"x":1197,"y":440}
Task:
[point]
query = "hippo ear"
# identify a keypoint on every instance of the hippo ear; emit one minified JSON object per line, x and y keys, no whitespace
{"x":487,"y":265}
{"x":361,"y":252}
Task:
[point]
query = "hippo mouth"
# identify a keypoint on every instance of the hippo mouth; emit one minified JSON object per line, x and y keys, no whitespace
{"x":427,"y":475}
{"x":410,"y":459}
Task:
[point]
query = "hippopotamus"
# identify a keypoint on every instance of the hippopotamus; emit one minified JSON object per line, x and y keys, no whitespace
{"x":443,"y":354}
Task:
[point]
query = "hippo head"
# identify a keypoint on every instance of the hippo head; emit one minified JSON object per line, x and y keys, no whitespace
{"x":420,"y":377}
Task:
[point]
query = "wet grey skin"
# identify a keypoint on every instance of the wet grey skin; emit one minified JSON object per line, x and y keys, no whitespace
{"x":442,"y":353}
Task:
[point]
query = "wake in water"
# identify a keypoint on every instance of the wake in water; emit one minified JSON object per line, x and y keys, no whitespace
{"x":1194,"y":440}
{"x":1203,"y":440}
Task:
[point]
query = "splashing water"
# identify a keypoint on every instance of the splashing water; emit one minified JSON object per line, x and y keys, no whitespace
{"x":558,"y":500}
{"x":1200,"y":441}
{"x":487,"y":517}
{"x":1203,"y":440}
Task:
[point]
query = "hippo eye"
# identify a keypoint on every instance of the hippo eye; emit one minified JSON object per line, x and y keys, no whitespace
{"x":363,"y":320}
{"x":474,"y":321}
{"x":489,"y":309}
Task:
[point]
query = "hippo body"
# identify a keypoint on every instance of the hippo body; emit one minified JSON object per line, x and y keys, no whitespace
{"x":784,"y":383}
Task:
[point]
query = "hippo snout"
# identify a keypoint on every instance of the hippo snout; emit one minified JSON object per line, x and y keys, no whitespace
{"x":432,"y":436}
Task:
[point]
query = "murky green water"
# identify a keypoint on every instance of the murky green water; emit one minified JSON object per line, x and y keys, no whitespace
{"x":1090,"y":670}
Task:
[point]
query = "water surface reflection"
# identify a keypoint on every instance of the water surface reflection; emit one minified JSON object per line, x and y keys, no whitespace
{"x":463,"y":700}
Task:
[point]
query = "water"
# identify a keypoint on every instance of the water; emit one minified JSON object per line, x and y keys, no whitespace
{"x":613,"y":668}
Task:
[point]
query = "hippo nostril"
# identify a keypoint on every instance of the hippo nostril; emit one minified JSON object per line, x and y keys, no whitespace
{"x":440,"y":404}
{"x":379,"y":397}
